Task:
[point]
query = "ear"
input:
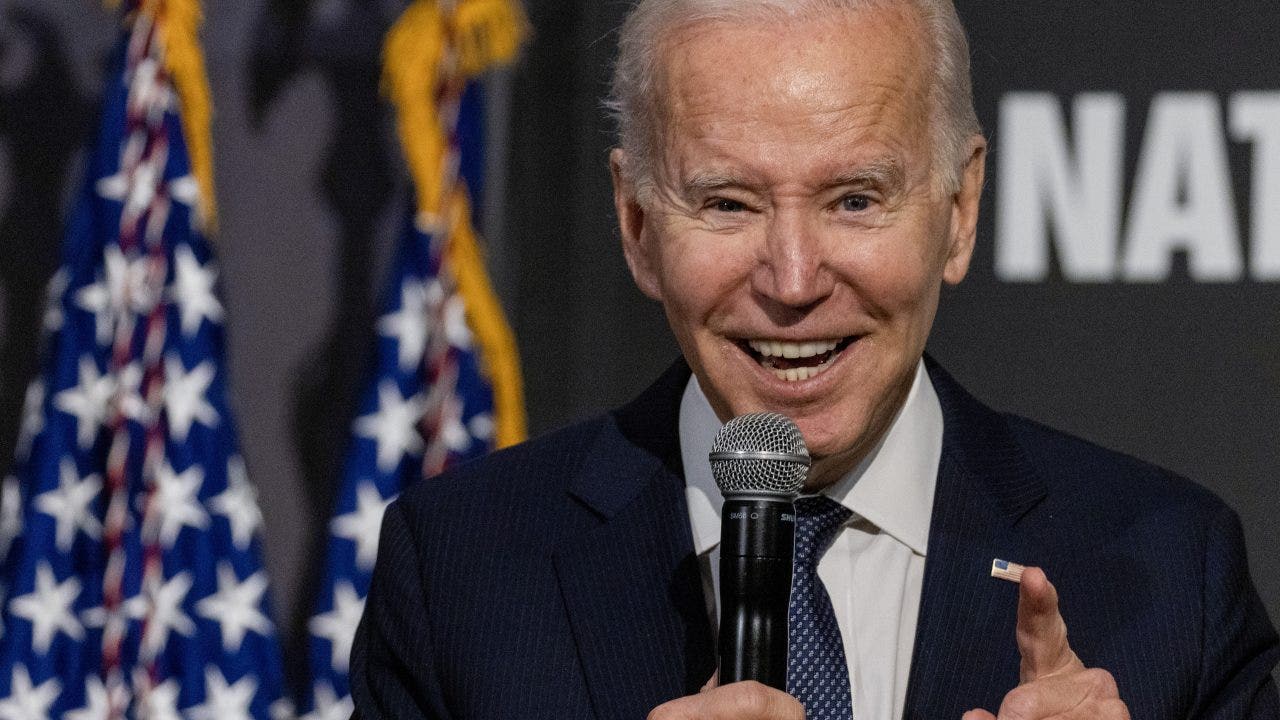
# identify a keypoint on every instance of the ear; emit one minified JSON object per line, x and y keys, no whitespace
{"x":631,"y":223}
{"x":964,"y":213}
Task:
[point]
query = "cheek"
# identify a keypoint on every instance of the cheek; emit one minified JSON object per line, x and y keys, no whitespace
{"x":698,"y":273}
{"x":896,"y":275}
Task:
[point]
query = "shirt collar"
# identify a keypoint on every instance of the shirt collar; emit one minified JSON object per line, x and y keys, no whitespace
{"x":892,"y":488}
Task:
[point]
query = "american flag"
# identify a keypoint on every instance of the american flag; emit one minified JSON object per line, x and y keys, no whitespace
{"x":132,"y":577}
{"x":435,"y":393}
{"x":1005,"y":570}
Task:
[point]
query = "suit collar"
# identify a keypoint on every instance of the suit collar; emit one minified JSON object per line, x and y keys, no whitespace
{"x":631,"y":584}
{"x":979,"y":440}
{"x":642,"y":438}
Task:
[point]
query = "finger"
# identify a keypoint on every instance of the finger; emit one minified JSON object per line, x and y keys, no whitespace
{"x":736,"y":701}
{"x":1062,"y":696}
{"x":978,"y":715}
{"x":1105,"y":710}
{"x":712,"y":681}
{"x":1042,"y":633}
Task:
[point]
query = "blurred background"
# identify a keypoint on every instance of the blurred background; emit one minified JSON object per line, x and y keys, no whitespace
{"x":1125,"y":287}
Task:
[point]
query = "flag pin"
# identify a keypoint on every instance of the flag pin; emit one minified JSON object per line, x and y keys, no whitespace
{"x":1006,"y":570}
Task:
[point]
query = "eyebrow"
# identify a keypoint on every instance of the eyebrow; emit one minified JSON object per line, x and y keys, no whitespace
{"x":884,"y":172}
{"x":708,"y":180}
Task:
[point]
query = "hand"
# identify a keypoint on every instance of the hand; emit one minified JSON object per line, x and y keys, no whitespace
{"x":736,"y":701}
{"x":1054,"y":683}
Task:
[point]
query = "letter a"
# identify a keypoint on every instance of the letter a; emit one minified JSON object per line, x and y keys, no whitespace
{"x":1182,"y":198}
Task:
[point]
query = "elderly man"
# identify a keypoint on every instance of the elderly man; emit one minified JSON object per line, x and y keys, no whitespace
{"x":796,"y":180}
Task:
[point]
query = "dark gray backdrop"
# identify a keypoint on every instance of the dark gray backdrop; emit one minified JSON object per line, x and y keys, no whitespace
{"x":1177,"y":370}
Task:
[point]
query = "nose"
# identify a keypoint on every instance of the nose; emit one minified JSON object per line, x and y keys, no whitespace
{"x":793,"y":270}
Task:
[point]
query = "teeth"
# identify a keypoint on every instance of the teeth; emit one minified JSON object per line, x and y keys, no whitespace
{"x":773,"y":348}
{"x":801,"y":373}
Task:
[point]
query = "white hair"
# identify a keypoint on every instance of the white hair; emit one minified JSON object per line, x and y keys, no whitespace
{"x":637,"y":108}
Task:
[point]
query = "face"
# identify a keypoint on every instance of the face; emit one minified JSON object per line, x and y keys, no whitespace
{"x":793,"y":230}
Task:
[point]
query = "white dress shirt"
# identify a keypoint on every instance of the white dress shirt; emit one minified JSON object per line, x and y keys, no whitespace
{"x":875,"y":568}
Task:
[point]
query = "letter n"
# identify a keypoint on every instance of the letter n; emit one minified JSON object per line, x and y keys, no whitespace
{"x":1046,"y":184}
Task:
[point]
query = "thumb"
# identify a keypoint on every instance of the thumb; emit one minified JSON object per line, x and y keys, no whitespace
{"x":712,"y":682}
{"x":978,"y":715}
{"x":1042,"y":633}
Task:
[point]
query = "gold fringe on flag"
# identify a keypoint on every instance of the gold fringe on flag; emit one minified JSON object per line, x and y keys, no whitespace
{"x":432,"y":44}
{"x":500,"y":356}
{"x":412,"y":58}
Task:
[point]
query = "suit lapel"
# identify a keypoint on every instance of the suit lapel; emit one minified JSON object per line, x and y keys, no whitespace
{"x":965,"y":652}
{"x":631,"y":585}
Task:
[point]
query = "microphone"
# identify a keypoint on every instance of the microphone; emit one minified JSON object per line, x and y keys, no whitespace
{"x":760,"y":462}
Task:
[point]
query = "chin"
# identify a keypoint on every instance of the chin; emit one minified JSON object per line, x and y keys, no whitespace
{"x":827,"y":437}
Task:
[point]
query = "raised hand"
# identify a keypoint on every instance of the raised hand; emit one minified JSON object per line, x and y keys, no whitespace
{"x":1054,"y":682}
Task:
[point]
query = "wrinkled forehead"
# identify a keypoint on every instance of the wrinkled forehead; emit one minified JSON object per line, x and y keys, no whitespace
{"x":795,"y":78}
{"x":882,"y":37}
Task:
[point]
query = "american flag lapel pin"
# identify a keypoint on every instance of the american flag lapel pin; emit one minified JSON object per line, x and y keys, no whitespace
{"x":1005,"y":570}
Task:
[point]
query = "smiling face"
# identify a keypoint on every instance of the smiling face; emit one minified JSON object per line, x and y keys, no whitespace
{"x":793,"y":229}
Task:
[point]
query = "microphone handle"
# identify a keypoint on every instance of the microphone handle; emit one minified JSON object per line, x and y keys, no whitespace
{"x":757,"y":541}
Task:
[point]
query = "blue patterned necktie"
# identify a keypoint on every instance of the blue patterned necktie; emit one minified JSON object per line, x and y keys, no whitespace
{"x":817,"y":673}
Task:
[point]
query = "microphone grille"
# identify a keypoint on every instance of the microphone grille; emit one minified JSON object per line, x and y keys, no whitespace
{"x":759,"y":453}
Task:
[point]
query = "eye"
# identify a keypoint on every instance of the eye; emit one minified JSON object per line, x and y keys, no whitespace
{"x":727,"y":206}
{"x":855,"y":203}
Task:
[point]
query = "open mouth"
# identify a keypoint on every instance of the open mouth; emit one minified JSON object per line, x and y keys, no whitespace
{"x":795,"y":361}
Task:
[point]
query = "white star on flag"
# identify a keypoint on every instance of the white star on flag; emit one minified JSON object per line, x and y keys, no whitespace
{"x":26,"y":702}
{"x":362,"y":524}
{"x":481,"y":426}
{"x":185,"y":190}
{"x":235,"y":606}
{"x":136,"y":186}
{"x":223,"y":701}
{"x":184,"y":397}
{"x":177,"y":502}
{"x":238,"y":504}
{"x":328,"y":706}
{"x":166,"y":615}
{"x":408,"y":325}
{"x":97,"y":702}
{"x":161,"y":702}
{"x":394,"y":426}
{"x":87,"y":401}
{"x":146,"y":92}
{"x":193,"y":290}
{"x":339,"y":624}
{"x":127,"y":283}
{"x":96,"y":298}
{"x":68,"y":505}
{"x":48,"y":608}
{"x":283,"y":709}
{"x":134,"y":608}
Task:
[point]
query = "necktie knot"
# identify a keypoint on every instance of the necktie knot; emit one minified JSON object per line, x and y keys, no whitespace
{"x":818,"y":521}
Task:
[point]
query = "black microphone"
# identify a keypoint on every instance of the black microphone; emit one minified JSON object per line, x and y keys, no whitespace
{"x":760,"y":462}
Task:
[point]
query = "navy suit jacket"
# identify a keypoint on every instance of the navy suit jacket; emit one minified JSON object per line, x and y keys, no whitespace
{"x":557,"y":579}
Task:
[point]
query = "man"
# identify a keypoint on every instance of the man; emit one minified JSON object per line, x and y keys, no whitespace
{"x":795,"y":182}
